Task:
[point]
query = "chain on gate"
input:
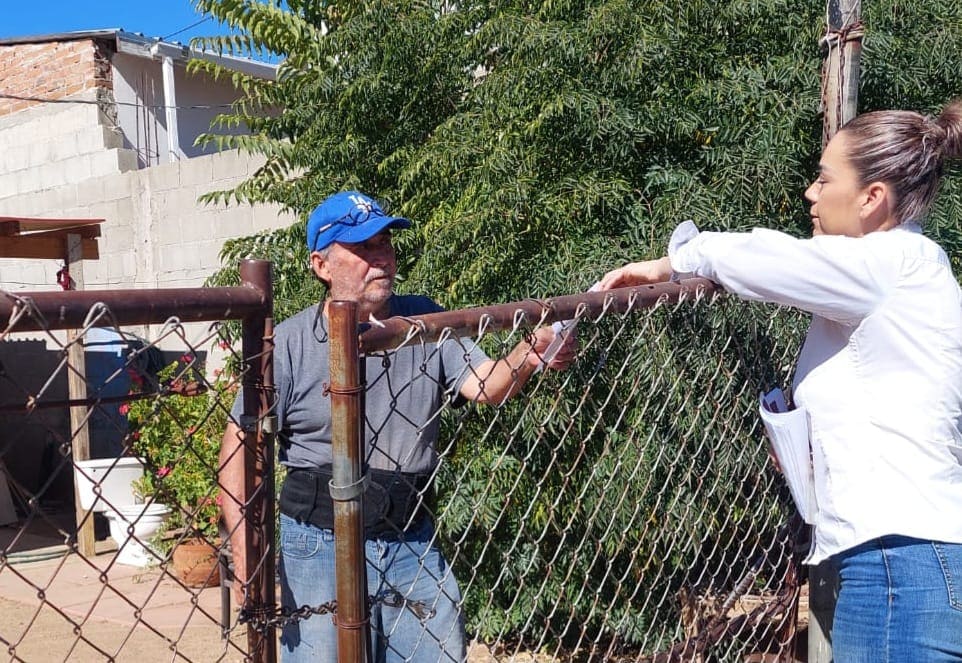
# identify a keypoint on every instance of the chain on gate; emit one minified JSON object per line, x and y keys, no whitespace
{"x":262,"y":618}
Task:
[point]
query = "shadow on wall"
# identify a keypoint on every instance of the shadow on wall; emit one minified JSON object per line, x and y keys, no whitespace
{"x":35,"y":443}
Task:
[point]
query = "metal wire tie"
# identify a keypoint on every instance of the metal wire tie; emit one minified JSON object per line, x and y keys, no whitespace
{"x":350,"y":491}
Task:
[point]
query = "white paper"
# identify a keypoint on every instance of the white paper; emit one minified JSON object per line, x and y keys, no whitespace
{"x":789,"y":434}
{"x":562,"y":330}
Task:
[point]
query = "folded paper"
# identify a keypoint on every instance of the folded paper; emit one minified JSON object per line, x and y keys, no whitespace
{"x":788,"y":432}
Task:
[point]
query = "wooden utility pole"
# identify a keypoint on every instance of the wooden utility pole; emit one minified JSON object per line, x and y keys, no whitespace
{"x":77,"y":389}
{"x":842,"y":50}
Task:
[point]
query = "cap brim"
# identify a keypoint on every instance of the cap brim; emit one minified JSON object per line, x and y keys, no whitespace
{"x":371,"y":227}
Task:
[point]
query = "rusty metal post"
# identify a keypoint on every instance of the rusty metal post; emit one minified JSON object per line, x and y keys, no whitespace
{"x":346,"y":484}
{"x":258,"y":510}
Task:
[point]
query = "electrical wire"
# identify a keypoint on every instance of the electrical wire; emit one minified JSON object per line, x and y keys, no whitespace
{"x":192,"y":25}
{"x":50,"y":100}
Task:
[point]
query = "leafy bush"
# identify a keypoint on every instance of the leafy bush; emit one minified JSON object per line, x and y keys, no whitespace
{"x":178,"y":432}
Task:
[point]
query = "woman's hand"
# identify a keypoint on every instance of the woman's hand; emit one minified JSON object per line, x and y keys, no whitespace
{"x":638,"y":273}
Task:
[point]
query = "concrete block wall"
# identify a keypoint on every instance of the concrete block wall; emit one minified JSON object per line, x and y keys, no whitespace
{"x":65,"y":159}
{"x":156,"y":233}
{"x":56,"y":144}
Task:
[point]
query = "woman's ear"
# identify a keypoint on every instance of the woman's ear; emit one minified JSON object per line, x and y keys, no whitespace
{"x":877,"y":206}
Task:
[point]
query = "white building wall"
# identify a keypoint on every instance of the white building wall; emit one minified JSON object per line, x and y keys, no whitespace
{"x":156,"y":233}
{"x":139,"y":93}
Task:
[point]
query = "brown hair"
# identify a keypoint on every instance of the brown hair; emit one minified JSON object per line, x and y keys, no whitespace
{"x":905,"y":150}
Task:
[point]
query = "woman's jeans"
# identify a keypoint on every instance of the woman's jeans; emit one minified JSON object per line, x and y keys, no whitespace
{"x":899,"y":601}
{"x":416,"y":611}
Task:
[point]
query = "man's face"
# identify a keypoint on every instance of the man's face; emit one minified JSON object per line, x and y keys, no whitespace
{"x":362,"y":272}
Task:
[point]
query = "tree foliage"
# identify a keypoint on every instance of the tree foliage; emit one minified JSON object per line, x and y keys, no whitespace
{"x":537,"y":144}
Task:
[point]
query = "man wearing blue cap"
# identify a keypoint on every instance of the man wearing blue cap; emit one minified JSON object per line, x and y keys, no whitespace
{"x":415,"y":614}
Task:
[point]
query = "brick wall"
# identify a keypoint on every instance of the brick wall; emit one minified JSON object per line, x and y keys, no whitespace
{"x":52,"y":70}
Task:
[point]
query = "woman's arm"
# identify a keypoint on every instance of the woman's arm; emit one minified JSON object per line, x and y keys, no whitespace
{"x":840,"y":278}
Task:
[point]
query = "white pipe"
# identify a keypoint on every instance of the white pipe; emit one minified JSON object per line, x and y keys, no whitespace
{"x":174,"y":152}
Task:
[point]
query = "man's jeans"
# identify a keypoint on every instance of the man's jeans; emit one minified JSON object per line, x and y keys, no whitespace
{"x":900,"y":601}
{"x":415,"y":616}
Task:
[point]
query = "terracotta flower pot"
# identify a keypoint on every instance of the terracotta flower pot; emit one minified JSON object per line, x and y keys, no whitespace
{"x":195,"y":563}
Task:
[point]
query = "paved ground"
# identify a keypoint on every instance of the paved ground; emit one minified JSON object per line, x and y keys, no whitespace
{"x":61,"y":606}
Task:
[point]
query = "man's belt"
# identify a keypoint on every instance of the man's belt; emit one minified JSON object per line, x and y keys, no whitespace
{"x":392,"y":499}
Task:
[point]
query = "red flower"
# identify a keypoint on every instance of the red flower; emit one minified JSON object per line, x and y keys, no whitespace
{"x":186,"y":358}
{"x":124,"y":408}
{"x":163,"y":471}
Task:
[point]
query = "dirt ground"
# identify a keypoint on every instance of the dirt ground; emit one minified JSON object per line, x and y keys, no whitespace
{"x":44,"y":635}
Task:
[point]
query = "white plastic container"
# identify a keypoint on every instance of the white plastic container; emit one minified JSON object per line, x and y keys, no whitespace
{"x":131,"y":526}
{"x":114,"y":476}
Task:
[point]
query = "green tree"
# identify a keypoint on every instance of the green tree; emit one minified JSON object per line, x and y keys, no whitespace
{"x":537,"y":144}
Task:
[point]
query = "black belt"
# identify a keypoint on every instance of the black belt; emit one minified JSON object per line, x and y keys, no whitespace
{"x":391,"y":501}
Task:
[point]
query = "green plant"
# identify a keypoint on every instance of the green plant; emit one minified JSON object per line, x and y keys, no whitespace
{"x":177,"y":431}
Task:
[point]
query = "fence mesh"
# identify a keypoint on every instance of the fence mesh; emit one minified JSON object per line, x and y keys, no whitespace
{"x":622,"y":510}
{"x":114,"y":553}
{"x":625,"y":509}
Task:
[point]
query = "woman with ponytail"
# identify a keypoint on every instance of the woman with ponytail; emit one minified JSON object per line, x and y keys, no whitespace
{"x":879,"y":375}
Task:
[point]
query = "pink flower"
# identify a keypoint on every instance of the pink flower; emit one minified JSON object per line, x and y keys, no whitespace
{"x":191,"y":430}
{"x":187,"y":358}
{"x":124,"y":409}
{"x":218,"y":372}
{"x":224,"y":345}
{"x":163,"y":471}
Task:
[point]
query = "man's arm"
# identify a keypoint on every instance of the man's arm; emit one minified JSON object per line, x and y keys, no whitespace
{"x":231,"y":478}
{"x":496,"y":380}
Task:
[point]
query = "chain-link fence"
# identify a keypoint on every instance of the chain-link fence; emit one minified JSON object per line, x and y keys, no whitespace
{"x":622,"y":510}
{"x":111,"y":545}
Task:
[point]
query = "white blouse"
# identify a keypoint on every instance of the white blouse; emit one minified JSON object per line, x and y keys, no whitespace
{"x":880,"y":372}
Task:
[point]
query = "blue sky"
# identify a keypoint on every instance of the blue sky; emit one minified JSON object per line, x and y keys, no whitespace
{"x":153,"y":18}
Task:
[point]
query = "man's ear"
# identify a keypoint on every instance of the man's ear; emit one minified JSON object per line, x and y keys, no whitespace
{"x":320,"y":267}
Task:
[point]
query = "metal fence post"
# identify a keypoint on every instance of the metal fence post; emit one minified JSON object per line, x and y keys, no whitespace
{"x":822,"y":594}
{"x":346,"y":484}
{"x":258,"y":354}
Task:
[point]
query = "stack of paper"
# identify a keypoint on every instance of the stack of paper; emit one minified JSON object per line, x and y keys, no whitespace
{"x":789,"y":434}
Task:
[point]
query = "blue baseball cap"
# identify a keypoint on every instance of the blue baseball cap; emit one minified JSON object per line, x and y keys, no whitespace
{"x":348,"y":217}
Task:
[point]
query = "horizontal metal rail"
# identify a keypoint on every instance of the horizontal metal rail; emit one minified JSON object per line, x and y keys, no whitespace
{"x":392,"y":332}
{"x":36,"y":311}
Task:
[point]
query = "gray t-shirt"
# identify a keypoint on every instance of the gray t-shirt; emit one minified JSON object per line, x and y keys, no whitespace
{"x":405,"y":392}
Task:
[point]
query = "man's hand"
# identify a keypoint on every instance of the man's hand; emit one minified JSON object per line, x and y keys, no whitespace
{"x":637,"y":273}
{"x":565,"y":354}
{"x":495,"y":381}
